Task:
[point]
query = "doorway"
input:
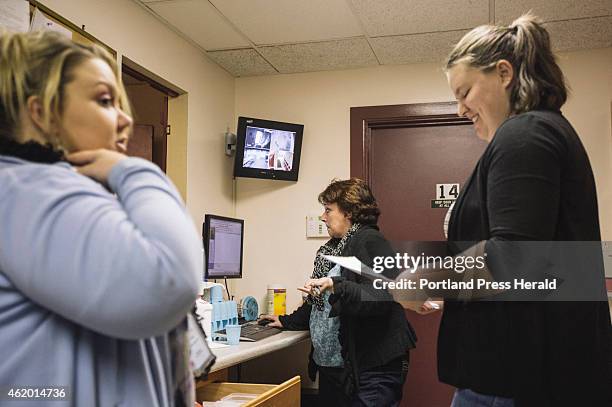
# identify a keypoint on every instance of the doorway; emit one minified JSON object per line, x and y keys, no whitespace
{"x":160,"y":121}
{"x":404,"y":152}
{"x":149,"y":100}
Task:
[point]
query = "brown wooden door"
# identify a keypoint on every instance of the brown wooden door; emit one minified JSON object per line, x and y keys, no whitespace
{"x":141,"y":142}
{"x":149,"y":101}
{"x":403,"y":151}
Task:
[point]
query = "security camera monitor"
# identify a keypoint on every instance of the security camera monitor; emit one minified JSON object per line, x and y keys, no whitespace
{"x":268,"y":149}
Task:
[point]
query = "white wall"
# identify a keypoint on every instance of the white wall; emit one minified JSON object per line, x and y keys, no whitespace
{"x":276,"y":249}
{"x":136,"y":34}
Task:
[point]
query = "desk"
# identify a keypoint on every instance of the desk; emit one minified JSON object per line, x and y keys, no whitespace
{"x":284,"y":394}
{"x":233,"y":355}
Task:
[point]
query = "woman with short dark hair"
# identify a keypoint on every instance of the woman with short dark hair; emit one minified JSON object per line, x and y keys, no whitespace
{"x":360,"y":336}
{"x":354,"y":197}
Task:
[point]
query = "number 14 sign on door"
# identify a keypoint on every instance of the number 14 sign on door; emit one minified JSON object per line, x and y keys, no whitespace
{"x":445,"y":195}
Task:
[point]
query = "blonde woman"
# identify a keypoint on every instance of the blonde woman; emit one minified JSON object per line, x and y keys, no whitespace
{"x":99,"y":260}
{"x":533,"y":183}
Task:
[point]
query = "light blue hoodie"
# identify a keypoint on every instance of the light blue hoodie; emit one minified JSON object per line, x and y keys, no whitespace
{"x":92,"y":282}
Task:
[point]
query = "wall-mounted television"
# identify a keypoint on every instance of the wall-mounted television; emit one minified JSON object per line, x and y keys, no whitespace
{"x":268,"y":149}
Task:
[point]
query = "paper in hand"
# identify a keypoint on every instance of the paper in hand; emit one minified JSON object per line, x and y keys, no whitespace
{"x":352,"y":263}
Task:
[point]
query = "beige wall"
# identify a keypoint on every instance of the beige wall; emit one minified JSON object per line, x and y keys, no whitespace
{"x":136,"y":34}
{"x":276,"y":249}
{"x":176,"y":154}
{"x":589,"y":109}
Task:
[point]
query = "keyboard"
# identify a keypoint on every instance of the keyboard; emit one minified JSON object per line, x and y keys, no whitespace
{"x":252,"y":332}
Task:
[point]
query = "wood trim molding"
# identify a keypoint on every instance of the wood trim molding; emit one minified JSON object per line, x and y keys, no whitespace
{"x":79,"y":31}
{"x":364,"y":119}
{"x":142,"y":77}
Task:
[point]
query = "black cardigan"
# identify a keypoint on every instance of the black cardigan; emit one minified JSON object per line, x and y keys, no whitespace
{"x":533,"y":182}
{"x":373,"y":328}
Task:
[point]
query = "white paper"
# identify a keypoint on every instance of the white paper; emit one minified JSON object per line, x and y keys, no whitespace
{"x":41,"y":22}
{"x":200,"y":356}
{"x":351,"y":263}
{"x":15,"y":15}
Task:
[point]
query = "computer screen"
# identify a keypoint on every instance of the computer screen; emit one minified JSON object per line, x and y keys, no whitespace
{"x":223,"y":239}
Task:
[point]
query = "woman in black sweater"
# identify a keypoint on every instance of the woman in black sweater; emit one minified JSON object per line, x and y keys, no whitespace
{"x":533,"y":183}
{"x":360,"y":336}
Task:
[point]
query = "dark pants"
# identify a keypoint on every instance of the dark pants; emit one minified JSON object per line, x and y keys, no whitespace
{"x":469,"y":398}
{"x":331,"y":389}
{"x":379,"y":389}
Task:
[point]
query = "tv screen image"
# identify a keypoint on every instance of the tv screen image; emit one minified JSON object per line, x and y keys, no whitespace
{"x":268,"y":149}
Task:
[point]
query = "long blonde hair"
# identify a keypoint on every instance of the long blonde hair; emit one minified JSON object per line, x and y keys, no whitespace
{"x":538,"y":82}
{"x":42,"y":64}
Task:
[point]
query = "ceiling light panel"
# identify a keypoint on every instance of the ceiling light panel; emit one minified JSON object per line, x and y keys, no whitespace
{"x":199,"y":20}
{"x":396,"y":17}
{"x":267,"y":22}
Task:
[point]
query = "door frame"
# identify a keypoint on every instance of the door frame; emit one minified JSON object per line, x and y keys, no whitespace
{"x":366,"y":118}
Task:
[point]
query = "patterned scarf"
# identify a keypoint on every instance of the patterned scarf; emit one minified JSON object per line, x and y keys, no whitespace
{"x":333,"y":247}
{"x":30,"y":151}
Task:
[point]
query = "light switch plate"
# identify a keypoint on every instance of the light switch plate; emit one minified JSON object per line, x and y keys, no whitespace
{"x":315,"y":227}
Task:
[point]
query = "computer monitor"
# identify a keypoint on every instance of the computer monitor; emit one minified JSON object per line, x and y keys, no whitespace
{"x":223,"y":240}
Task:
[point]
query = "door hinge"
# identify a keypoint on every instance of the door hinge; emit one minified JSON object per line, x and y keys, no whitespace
{"x":168,"y":130}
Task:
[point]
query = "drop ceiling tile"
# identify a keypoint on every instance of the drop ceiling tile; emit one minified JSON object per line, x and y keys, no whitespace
{"x":201,"y":22}
{"x":415,"y":48}
{"x":320,"y":56}
{"x":551,"y":10}
{"x":242,"y":62}
{"x":571,"y":35}
{"x":268,"y":22}
{"x":395,"y":17}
